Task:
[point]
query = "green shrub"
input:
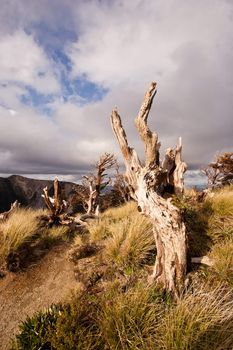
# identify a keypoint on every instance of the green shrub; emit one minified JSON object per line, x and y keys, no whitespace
{"x":34,"y":331}
{"x":76,"y":327}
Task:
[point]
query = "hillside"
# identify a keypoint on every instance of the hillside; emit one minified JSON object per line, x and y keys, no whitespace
{"x":113,"y":307}
{"x":27,"y":191}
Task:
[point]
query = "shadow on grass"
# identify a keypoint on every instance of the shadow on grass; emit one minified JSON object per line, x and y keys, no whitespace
{"x":34,"y":249}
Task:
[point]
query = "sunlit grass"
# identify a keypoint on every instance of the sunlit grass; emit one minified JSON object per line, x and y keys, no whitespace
{"x":128,"y":320}
{"x":131,"y":241}
{"x":201,"y":319}
{"x":19,"y":228}
{"x":222,"y":256}
{"x":220,"y":224}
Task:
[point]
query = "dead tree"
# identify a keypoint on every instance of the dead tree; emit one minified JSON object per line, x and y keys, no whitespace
{"x":6,"y":214}
{"x":147,"y":182}
{"x":56,"y":206}
{"x":220,"y":171}
{"x":96,"y":184}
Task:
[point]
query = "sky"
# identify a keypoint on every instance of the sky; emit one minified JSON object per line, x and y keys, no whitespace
{"x":65,"y":64}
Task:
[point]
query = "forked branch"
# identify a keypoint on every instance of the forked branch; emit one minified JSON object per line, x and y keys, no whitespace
{"x":149,"y":138}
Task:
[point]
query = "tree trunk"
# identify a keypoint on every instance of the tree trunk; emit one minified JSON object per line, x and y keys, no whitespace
{"x":169,"y":233}
{"x":146,"y":184}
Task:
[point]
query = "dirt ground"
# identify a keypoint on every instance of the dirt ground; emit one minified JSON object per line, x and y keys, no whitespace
{"x":24,"y":293}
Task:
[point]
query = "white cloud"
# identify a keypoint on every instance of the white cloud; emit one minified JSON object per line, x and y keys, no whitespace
{"x":186,"y":46}
{"x":136,"y":40}
{"x":23,"y":61}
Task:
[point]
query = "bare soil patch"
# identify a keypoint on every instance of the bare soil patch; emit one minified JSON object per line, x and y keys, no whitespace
{"x":22,"y":294}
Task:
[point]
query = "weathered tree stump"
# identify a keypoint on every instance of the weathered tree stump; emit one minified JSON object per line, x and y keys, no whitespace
{"x":148,"y":183}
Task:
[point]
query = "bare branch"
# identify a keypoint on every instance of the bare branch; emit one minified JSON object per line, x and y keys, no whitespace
{"x":47,"y":200}
{"x":130,"y":156}
{"x":149,"y":138}
{"x":6,"y":214}
{"x":57,"y":197}
{"x":180,"y":169}
{"x":121,"y":136}
{"x":203,"y":260}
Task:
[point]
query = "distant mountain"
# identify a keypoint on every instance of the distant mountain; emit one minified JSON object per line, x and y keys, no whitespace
{"x":28,"y":191}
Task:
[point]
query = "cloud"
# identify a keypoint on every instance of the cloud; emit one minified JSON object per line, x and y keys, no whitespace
{"x":186,"y":48}
{"x":22,"y":61}
{"x":81,"y":59}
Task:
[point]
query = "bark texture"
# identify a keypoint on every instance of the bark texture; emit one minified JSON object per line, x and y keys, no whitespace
{"x":148,"y":183}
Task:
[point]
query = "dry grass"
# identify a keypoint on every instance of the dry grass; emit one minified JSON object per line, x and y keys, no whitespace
{"x":58,"y":232}
{"x":101,"y":229}
{"x":222,"y":255}
{"x":22,"y":232}
{"x":134,"y":316}
{"x":128,"y":320}
{"x":201,"y":320}
{"x":131,"y":241}
{"x":121,"y":212}
{"x":19,"y":228}
{"x":220,"y":224}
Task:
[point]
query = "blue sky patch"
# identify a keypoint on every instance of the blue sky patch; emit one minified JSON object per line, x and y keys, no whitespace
{"x":39,"y":101}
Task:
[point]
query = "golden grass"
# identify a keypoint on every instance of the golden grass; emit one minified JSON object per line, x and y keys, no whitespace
{"x":131,"y":241}
{"x":128,"y":320}
{"x":119,"y":213}
{"x":58,"y":232}
{"x":20,"y":226}
{"x":101,"y":229}
{"x":222,"y":256}
{"x":201,"y":319}
{"x":220,"y":224}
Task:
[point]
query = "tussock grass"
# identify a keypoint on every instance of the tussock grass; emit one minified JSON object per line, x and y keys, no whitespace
{"x":19,"y":228}
{"x":22,"y":234}
{"x":139,"y":319}
{"x":202,"y":319}
{"x":128,"y":320}
{"x":119,"y":213}
{"x":222,"y":255}
{"x":101,"y":229}
{"x":58,"y":232}
{"x":133,"y":316}
{"x":220,"y":224}
{"x":209,"y":222}
{"x":131,"y":241}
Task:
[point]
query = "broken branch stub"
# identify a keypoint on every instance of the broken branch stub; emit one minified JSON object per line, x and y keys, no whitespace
{"x":146,"y":184}
{"x":55,"y":205}
{"x":14,"y":206}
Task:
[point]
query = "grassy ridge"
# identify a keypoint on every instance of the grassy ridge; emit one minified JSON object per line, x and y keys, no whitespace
{"x":122,"y":312}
